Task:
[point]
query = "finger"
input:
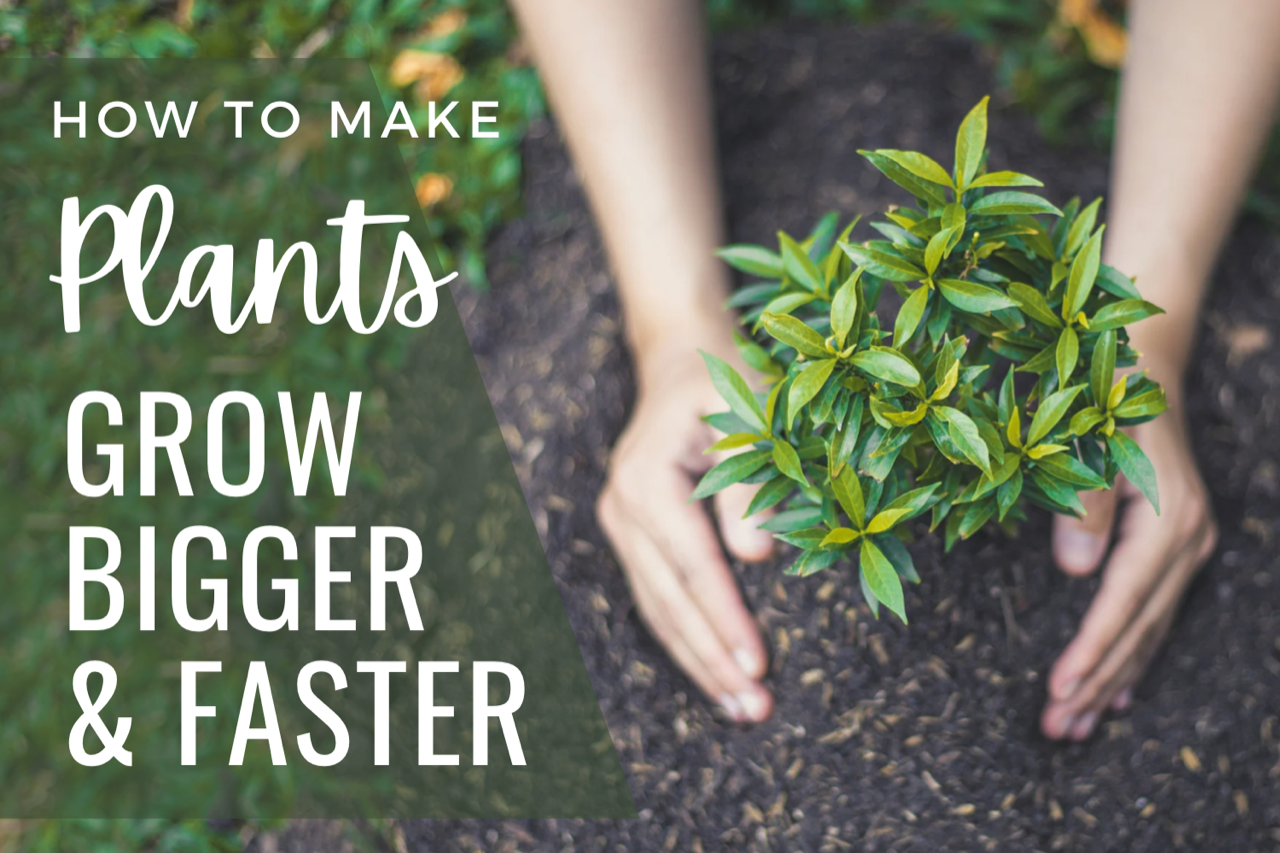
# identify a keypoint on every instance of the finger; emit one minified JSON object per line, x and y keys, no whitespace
{"x":1136,"y":565}
{"x":1079,"y":544}
{"x":683,"y":534}
{"x":1129,"y":658}
{"x":685,"y":629}
{"x":743,"y":536}
{"x":638,"y":566}
{"x":653,"y":614}
{"x":1110,"y":681}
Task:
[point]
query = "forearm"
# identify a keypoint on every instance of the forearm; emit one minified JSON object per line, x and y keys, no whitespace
{"x":1197,"y":100}
{"x":629,"y":85}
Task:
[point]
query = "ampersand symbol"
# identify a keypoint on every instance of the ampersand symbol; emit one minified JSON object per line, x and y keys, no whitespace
{"x":112,"y":744}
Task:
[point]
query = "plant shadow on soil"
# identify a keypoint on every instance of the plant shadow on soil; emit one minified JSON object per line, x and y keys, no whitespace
{"x":884,"y":737}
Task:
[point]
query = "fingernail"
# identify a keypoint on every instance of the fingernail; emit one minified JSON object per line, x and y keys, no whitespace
{"x":731,"y":706}
{"x":747,"y":662}
{"x":1067,"y":690}
{"x":753,"y":704}
{"x":1064,"y":727}
{"x":1084,"y":726}
{"x":1077,"y":549}
{"x":1123,"y":699}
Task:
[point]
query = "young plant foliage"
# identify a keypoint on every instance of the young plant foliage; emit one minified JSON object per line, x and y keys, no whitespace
{"x":993,"y":386}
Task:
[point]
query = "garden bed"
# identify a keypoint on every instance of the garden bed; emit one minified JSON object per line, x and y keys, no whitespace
{"x":920,"y":738}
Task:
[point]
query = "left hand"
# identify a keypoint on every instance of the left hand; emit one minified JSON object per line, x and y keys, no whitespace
{"x":1154,"y":559}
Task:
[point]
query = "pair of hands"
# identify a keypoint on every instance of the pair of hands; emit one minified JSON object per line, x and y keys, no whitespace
{"x":688,"y":597}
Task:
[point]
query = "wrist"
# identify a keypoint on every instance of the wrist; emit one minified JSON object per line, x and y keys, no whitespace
{"x":671,"y":341}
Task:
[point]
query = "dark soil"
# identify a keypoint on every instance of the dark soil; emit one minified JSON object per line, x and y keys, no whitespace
{"x":887,"y":738}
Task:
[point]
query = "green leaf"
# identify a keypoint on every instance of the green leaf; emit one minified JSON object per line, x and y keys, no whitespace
{"x":844,"y":308}
{"x":975,"y":516}
{"x":1008,"y":401}
{"x":1117,"y":393}
{"x":919,"y":165}
{"x":899,"y":556}
{"x":752,"y":260}
{"x":735,"y":469}
{"x":788,"y":461}
{"x":915,"y":501}
{"x":845,"y":440}
{"x":909,"y":315}
{"x":1086,"y":419}
{"x":848,"y":492}
{"x":795,"y":334}
{"x":1084,"y":272}
{"x":771,"y":403}
{"x":1122,"y":313}
{"x":999,"y":476}
{"x":948,"y":383}
{"x":1008,"y":492}
{"x":1011,"y":203}
{"x":839,"y":536}
{"x":1068,"y":469}
{"x":1117,"y":283}
{"x":812,"y":562}
{"x":807,"y":384}
{"x":972,"y":297}
{"x":888,"y":365}
{"x":791,"y":520}
{"x":883,"y":263}
{"x":726,"y":422}
{"x":1051,"y":410}
{"x":735,"y":391}
{"x":926,"y":190}
{"x":755,"y":355}
{"x":1135,"y":466}
{"x":733,"y":442}
{"x":1033,"y":304}
{"x":953,"y":219}
{"x":1057,"y":491}
{"x":886,"y":519}
{"x":1081,"y":228}
{"x":809,"y":538}
{"x":798,"y":266}
{"x":823,"y":235}
{"x":937,"y":248}
{"x":1068,"y":353}
{"x":1045,"y":360}
{"x":964,"y":432}
{"x":770,"y":494}
{"x":1148,"y":404}
{"x":1013,"y":428}
{"x":1102,"y":370}
{"x":888,"y":415}
{"x":788,"y":302}
{"x":971,"y":141}
{"x":882,"y":579}
{"x":1003,"y":179}
{"x":873,"y":603}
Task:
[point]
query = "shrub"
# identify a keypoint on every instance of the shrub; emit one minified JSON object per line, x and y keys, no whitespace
{"x":994,"y":386}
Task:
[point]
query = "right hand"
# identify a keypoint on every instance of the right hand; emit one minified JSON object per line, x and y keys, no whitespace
{"x":678,"y":574}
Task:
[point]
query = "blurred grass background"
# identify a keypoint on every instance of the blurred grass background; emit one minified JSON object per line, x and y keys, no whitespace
{"x":1057,"y":59}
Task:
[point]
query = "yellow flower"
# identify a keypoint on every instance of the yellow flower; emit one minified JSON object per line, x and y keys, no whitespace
{"x":433,"y":189}
{"x":435,"y":73}
{"x":446,"y":23}
{"x":1106,"y":41}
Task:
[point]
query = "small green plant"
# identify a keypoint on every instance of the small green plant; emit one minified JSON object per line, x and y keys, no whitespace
{"x":866,"y":427}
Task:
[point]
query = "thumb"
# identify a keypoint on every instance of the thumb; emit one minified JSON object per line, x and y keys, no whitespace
{"x":743,"y":536}
{"x":1079,"y":544}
